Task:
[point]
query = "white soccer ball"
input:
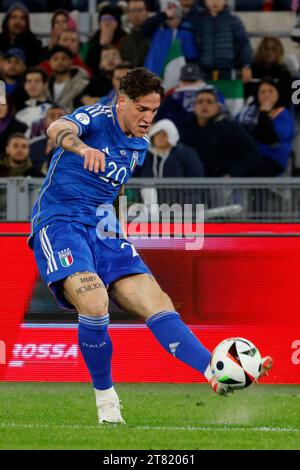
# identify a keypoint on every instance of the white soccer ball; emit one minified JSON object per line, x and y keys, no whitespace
{"x":236,"y":362}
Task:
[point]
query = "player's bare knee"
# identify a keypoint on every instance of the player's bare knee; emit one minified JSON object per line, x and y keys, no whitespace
{"x":93,"y":307}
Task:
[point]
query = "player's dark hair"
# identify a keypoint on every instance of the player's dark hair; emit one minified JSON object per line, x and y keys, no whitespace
{"x":38,"y":70}
{"x":141,"y":82}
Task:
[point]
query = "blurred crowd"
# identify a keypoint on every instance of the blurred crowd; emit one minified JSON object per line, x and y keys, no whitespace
{"x":228,"y":110}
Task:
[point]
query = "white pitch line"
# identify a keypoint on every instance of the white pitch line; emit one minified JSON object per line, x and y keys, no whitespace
{"x":148,"y":428}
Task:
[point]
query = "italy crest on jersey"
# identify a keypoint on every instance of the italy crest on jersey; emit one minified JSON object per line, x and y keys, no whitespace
{"x":66,"y":257}
{"x":134,"y":160}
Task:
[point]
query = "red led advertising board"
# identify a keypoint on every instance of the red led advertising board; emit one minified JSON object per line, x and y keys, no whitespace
{"x":243,"y":282}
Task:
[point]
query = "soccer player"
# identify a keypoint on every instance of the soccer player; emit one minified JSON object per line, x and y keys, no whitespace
{"x":99,"y":147}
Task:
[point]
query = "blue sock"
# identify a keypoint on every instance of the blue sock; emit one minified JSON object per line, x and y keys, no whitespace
{"x":96,"y":348}
{"x":177,"y":339}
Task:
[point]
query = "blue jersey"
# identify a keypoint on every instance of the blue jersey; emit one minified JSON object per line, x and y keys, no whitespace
{"x":72,"y":193}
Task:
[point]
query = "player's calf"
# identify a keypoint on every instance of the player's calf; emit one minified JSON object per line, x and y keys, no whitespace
{"x":87,"y":293}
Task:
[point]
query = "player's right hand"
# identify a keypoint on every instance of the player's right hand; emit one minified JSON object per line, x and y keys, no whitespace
{"x":94,"y":160}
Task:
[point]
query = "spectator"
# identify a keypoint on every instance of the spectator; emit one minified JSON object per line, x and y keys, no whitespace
{"x":167,"y":157}
{"x":122,"y":69}
{"x":16,"y":34}
{"x":223,"y":44}
{"x":180,"y":101}
{"x":8,"y":124}
{"x":272,"y":126}
{"x":67,"y":81}
{"x":134,"y":46}
{"x":109,"y":32}
{"x":33,"y":114}
{"x":42,"y":148}
{"x":70,"y":39}
{"x":101,"y":84}
{"x":269,"y":62}
{"x":161,"y":29}
{"x":189,"y":9}
{"x":225,"y":148}
{"x":13,"y":69}
{"x":60,"y":21}
{"x":16,"y":160}
{"x":1,"y":62}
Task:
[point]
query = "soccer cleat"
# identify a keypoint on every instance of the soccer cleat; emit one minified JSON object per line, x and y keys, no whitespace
{"x":109,"y":410}
{"x":266,"y":365}
{"x":219,"y":388}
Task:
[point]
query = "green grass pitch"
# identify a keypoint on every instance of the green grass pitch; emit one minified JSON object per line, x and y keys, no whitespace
{"x":158,"y":416}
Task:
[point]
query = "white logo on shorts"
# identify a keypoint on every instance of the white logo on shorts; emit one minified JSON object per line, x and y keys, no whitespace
{"x":83,"y":118}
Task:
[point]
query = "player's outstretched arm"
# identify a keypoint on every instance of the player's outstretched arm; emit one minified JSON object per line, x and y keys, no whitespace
{"x":65,"y":134}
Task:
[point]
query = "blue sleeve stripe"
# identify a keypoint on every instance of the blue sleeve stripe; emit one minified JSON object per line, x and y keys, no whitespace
{"x":74,"y":122}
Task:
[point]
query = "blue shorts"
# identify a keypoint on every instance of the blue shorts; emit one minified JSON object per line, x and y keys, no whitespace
{"x":63,"y":248}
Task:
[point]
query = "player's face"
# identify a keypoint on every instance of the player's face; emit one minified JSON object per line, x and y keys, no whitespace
{"x":137,"y":115}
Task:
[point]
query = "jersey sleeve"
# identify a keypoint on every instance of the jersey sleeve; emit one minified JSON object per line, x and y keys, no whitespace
{"x":86,"y":119}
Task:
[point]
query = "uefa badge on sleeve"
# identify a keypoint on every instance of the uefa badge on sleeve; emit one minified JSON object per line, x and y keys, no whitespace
{"x":66,"y":257}
{"x":134,"y":160}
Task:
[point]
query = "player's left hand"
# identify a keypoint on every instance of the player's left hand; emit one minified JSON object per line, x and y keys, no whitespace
{"x":94,"y":160}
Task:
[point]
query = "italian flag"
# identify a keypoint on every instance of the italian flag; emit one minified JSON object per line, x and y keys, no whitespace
{"x":233,"y":92}
{"x":173,"y":63}
{"x":66,"y":261}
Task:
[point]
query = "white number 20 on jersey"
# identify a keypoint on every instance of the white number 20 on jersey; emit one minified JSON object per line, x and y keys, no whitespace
{"x":116,"y":174}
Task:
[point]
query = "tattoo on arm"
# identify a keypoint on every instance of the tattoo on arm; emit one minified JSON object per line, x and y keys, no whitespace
{"x":73,"y":143}
{"x":62,"y":134}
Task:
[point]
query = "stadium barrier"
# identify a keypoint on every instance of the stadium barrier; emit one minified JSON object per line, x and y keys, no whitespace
{"x":243,"y":282}
{"x":225,"y":199}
